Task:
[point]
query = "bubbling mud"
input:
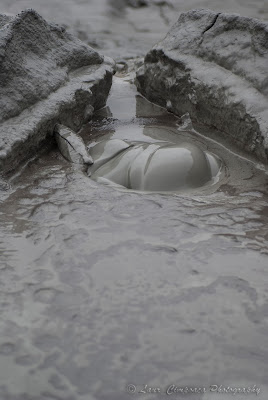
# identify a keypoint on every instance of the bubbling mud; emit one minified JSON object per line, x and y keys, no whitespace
{"x":155,"y":167}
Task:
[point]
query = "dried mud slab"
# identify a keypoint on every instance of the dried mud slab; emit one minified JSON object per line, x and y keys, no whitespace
{"x":214,"y":66}
{"x":47,"y":77}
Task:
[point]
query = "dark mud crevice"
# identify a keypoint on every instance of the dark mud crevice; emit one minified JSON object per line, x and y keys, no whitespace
{"x":212,"y":23}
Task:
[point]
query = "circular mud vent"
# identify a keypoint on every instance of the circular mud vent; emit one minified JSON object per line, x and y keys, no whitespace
{"x":154,"y":167}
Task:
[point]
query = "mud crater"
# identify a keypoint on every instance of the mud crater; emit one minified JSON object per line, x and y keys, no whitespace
{"x":155,"y":167}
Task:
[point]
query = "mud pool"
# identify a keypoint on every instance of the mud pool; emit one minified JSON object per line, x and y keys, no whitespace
{"x":101,"y":287}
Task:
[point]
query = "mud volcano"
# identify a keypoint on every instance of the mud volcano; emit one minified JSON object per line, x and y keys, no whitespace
{"x":158,"y":167}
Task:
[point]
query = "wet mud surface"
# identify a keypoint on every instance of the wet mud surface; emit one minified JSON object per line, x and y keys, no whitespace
{"x":162,"y":167}
{"x":101,"y":287}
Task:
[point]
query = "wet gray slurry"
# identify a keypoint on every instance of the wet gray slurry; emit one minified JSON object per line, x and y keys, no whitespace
{"x":104,"y":287}
{"x":154,"y":167}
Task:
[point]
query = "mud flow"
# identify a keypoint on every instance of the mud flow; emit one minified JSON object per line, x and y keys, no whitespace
{"x":105,"y":285}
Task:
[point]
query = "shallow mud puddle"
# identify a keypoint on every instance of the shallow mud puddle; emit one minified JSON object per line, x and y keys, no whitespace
{"x":101,"y":288}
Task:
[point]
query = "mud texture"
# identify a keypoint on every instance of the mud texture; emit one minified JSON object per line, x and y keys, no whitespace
{"x":214,"y":66}
{"x":156,"y":167}
{"x":102,"y":288}
{"x":47,"y":77}
{"x":124,"y":29}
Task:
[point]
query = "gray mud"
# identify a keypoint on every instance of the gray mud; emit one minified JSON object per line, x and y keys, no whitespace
{"x":101,"y":288}
{"x":121,"y":31}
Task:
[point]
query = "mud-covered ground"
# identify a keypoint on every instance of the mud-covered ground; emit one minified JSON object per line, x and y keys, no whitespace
{"x":104,"y":291}
{"x":102,"y":288}
{"x":121,"y":30}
